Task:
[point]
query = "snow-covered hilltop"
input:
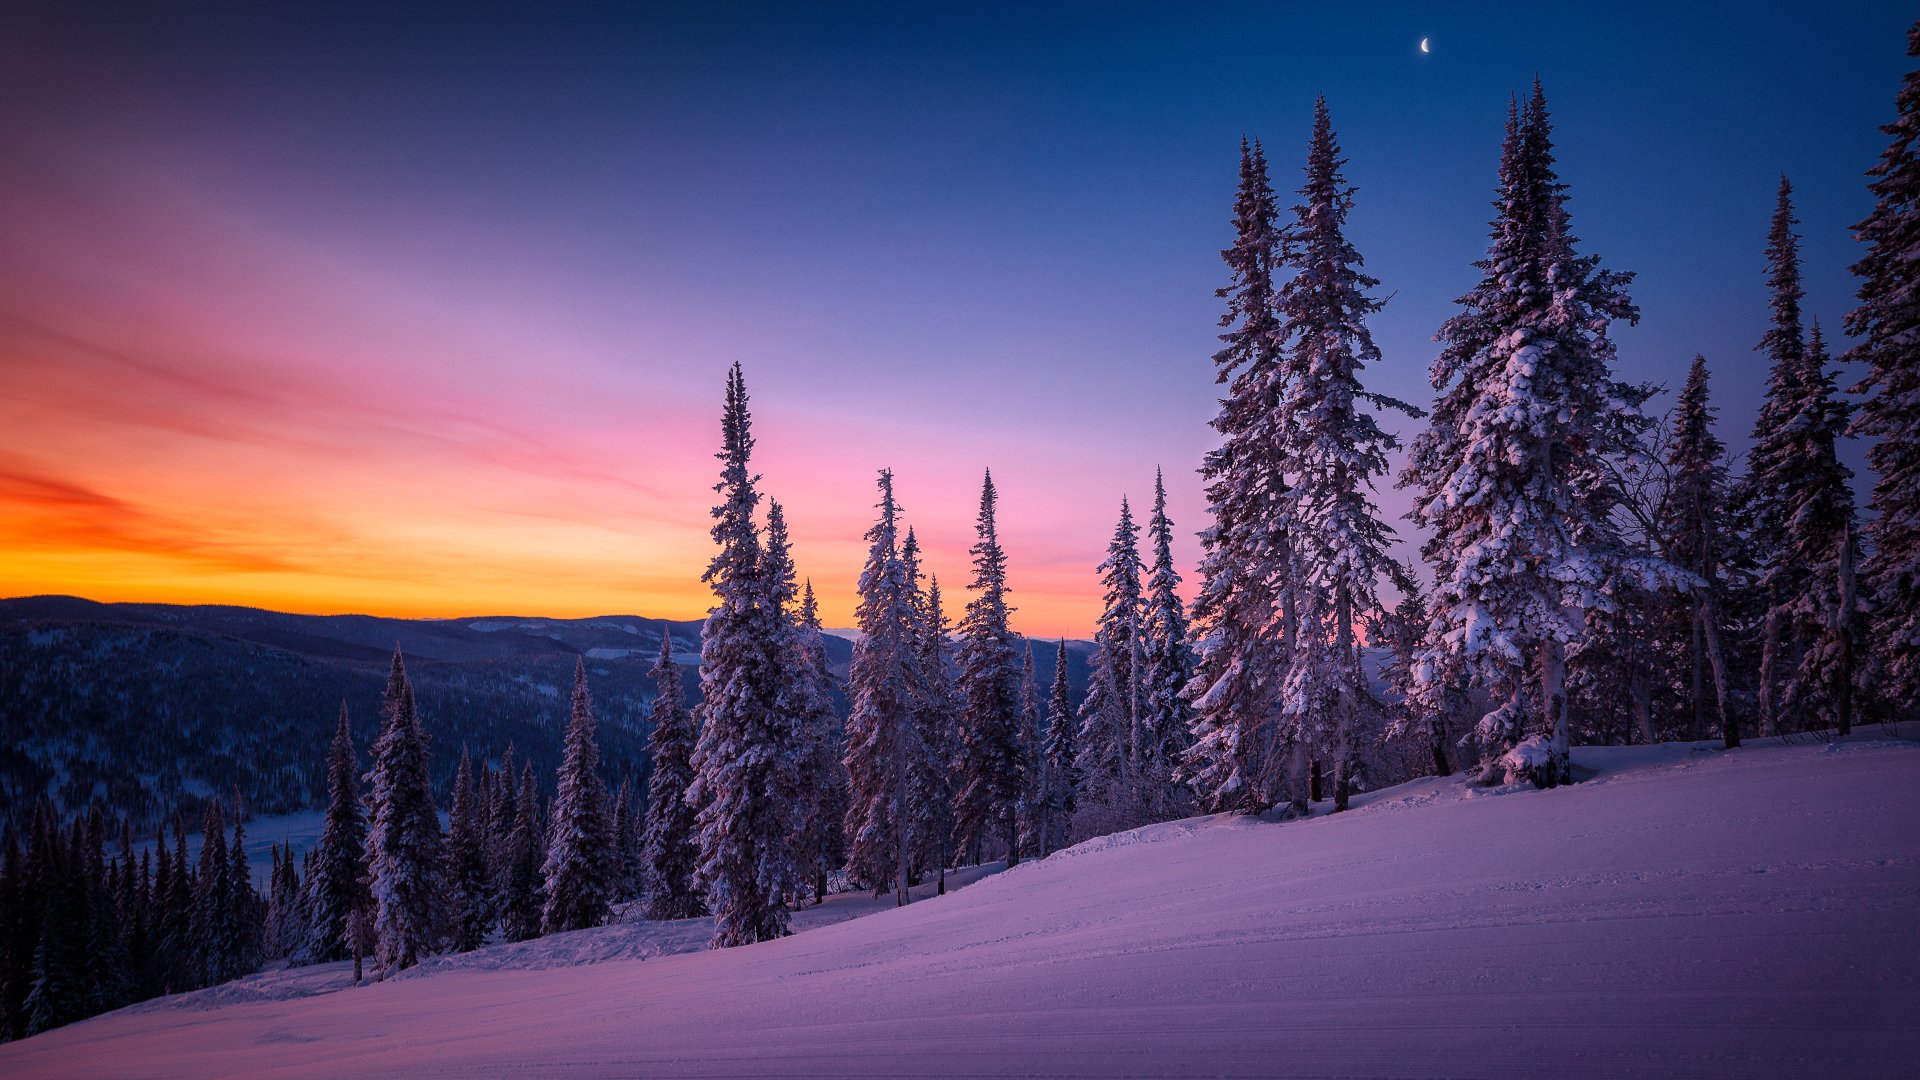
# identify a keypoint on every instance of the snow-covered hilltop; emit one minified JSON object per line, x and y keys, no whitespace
{"x":1684,"y":911}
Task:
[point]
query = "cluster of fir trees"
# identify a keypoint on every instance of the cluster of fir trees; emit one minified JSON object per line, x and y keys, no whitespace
{"x":1292,"y":563}
{"x":1596,"y":575}
{"x":945,"y":757}
{"x":1134,"y":726}
{"x":948,"y":754}
{"x":84,"y":933}
{"x":508,"y":863}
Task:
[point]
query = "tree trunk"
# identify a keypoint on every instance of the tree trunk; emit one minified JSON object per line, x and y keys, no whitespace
{"x":1298,"y":769}
{"x":1441,"y":766}
{"x":1642,"y":689}
{"x":900,"y":896}
{"x":1698,"y":656}
{"x":1553,"y":677}
{"x":1769,"y":660}
{"x":1843,"y":696}
{"x":1315,"y":788}
{"x":1710,"y":626}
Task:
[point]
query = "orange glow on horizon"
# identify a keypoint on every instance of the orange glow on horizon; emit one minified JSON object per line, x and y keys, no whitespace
{"x":199,"y":405}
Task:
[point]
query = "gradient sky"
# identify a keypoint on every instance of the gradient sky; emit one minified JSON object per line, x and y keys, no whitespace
{"x":392,"y":310}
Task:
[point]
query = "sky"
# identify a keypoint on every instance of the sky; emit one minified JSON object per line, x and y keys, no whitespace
{"x":384,"y":309}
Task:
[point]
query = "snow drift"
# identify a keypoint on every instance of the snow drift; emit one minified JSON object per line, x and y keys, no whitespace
{"x":1683,"y":912}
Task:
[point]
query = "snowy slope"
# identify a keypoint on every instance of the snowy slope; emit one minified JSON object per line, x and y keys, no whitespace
{"x":1683,"y":913}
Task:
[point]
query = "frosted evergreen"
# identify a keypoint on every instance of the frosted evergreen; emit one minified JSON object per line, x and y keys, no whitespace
{"x":1887,"y":324}
{"x":404,"y":847}
{"x":745,"y":764}
{"x":337,"y":886}
{"x":990,"y":778}
{"x":581,"y":856}
{"x":1513,"y":475}
{"x":668,"y":855}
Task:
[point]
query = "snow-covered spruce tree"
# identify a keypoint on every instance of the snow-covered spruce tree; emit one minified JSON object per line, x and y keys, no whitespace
{"x":1243,"y":615}
{"x":936,"y":715}
{"x":989,"y":781}
{"x":1110,"y":798}
{"x":745,"y":765}
{"x":1336,"y":449}
{"x":822,"y":847}
{"x":1887,"y":324}
{"x":804,"y":696}
{"x":175,"y":959}
{"x":626,"y":843}
{"x":522,"y":895}
{"x":404,"y":847}
{"x":503,"y":801}
{"x":1061,"y":797}
{"x":286,"y":921}
{"x":581,"y":856}
{"x":213,"y":900}
{"x":1512,"y":476}
{"x":241,"y":937}
{"x":1822,"y":540}
{"x":668,"y":855}
{"x":883,"y":744}
{"x":1803,"y":524}
{"x":1168,"y":718}
{"x":338,"y":884}
{"x":471,"y":898}
{"x":1693,"y":521}
{"x":1033,"y":723}
{"x":1771,"y":465}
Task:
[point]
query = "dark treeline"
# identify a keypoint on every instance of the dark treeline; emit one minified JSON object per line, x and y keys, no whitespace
{"x":1593,"y":575}
{"x":203,"y":712}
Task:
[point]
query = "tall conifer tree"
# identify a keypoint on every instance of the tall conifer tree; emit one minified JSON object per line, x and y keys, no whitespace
{"x":472,"y":891}
{"x":581,"y":856}
{"x":1336,"y":449}
{"x":937,"y":721}
{"x":668,"y":855}
{"x":1168,"y":717}
{"x":1111,"y":786}
{"x":404,"y":846}
{"x":338,"y":884}
{"x":1513,"y":475}
{"x":1887,"y":324}
{"x":1061,"y":799}
{"x":986,"y":802}
{"x":883,"y":742}
{"x":1772,"y":464}
{"x":1243,"y":615}
{"x":821,"y":848}
{"x":1693,"y":519}
{"x":522,"y":897}
{"x":1801,"y":498}
{"x":1822,"y":540}
{"x":745,"y":765}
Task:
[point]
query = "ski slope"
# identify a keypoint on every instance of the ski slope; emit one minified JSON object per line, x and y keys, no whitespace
{"x":1684,"y":912}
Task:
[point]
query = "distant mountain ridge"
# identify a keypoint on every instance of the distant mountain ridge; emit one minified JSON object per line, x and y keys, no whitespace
{"x":149,"y":707}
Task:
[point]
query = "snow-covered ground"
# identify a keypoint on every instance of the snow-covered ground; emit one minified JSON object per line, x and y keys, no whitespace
{"x":1684,"y":912}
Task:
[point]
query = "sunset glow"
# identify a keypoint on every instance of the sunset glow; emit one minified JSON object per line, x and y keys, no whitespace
{"x":449,"y":339}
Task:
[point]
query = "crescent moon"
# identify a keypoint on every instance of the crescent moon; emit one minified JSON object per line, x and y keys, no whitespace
{"x":1423,"y":46}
